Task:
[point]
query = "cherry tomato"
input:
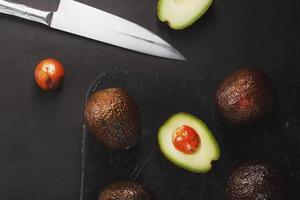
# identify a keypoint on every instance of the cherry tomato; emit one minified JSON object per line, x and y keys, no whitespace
{"x":186,"y":140}
{"x":49,"y":74}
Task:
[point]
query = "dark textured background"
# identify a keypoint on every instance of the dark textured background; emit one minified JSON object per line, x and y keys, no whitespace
{"x":40,"y":133}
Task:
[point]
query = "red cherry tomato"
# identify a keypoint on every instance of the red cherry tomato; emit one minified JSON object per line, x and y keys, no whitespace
{"x":49,"y":74}
{"x":186,"y":140}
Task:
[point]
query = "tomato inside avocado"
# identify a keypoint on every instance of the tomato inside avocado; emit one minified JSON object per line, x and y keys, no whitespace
{"x":187,"y":142}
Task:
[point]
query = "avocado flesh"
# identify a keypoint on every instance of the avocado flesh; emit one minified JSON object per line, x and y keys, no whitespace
{"x":179,"y":14}
{"x":200,"y":161}
{"x":125,"y":190}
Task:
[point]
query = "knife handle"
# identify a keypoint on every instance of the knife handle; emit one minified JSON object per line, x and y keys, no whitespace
{"x":25,"y":12}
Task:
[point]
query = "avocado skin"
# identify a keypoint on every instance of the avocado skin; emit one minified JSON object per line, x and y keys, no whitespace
{"x":256,"y":180}
{"x":114,"y":118}
{"x":125,"y":190}
{"x":245,"y":96}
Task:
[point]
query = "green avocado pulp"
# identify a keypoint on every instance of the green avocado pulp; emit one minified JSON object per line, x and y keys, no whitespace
{"x":180,"y":14}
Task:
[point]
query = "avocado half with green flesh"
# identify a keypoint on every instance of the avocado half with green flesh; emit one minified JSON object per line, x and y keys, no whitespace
{"x":179,"y":14}
{"x":113,"y":117}
{"x":187,"y":142}
{"x":125,"y":190}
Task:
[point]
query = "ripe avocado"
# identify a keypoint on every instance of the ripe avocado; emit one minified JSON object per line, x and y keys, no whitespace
{"x":199,"y":160}
{"x":245,"y":96}
{"x":125,"y":190}
{"x":179,"y":14}
{"x":256,"y":180}
{"x":114,"y":118}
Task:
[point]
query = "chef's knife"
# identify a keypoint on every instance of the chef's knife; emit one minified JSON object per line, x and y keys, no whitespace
{"x":86,"y":21}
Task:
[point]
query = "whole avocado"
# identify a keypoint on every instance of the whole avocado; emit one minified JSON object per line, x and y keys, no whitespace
{"x":114,"y":118}
{"x":256,"y":180}
{"x":245,"y":96}
{"x":125,"y":190}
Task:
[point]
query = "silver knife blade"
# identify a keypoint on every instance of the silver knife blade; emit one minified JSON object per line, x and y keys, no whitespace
{"x":86,"y":21}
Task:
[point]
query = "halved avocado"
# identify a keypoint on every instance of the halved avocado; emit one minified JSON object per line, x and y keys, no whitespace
{"x":179,"y":14}
{"x":200,"y":160}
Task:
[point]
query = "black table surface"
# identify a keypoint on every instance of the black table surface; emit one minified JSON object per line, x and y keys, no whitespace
{"x":41,"y":132}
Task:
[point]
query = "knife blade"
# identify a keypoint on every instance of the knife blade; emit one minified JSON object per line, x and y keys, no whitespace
{"x":86,"y":21}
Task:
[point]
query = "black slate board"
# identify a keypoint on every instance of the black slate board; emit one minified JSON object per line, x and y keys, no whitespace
{"x":160,"y":95}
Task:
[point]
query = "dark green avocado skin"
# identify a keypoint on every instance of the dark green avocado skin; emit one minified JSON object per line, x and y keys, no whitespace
{"x":113,"y":117}
{"x":245,"y":96}
{"x":125,"y":191}
{"x":256,"y":180}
